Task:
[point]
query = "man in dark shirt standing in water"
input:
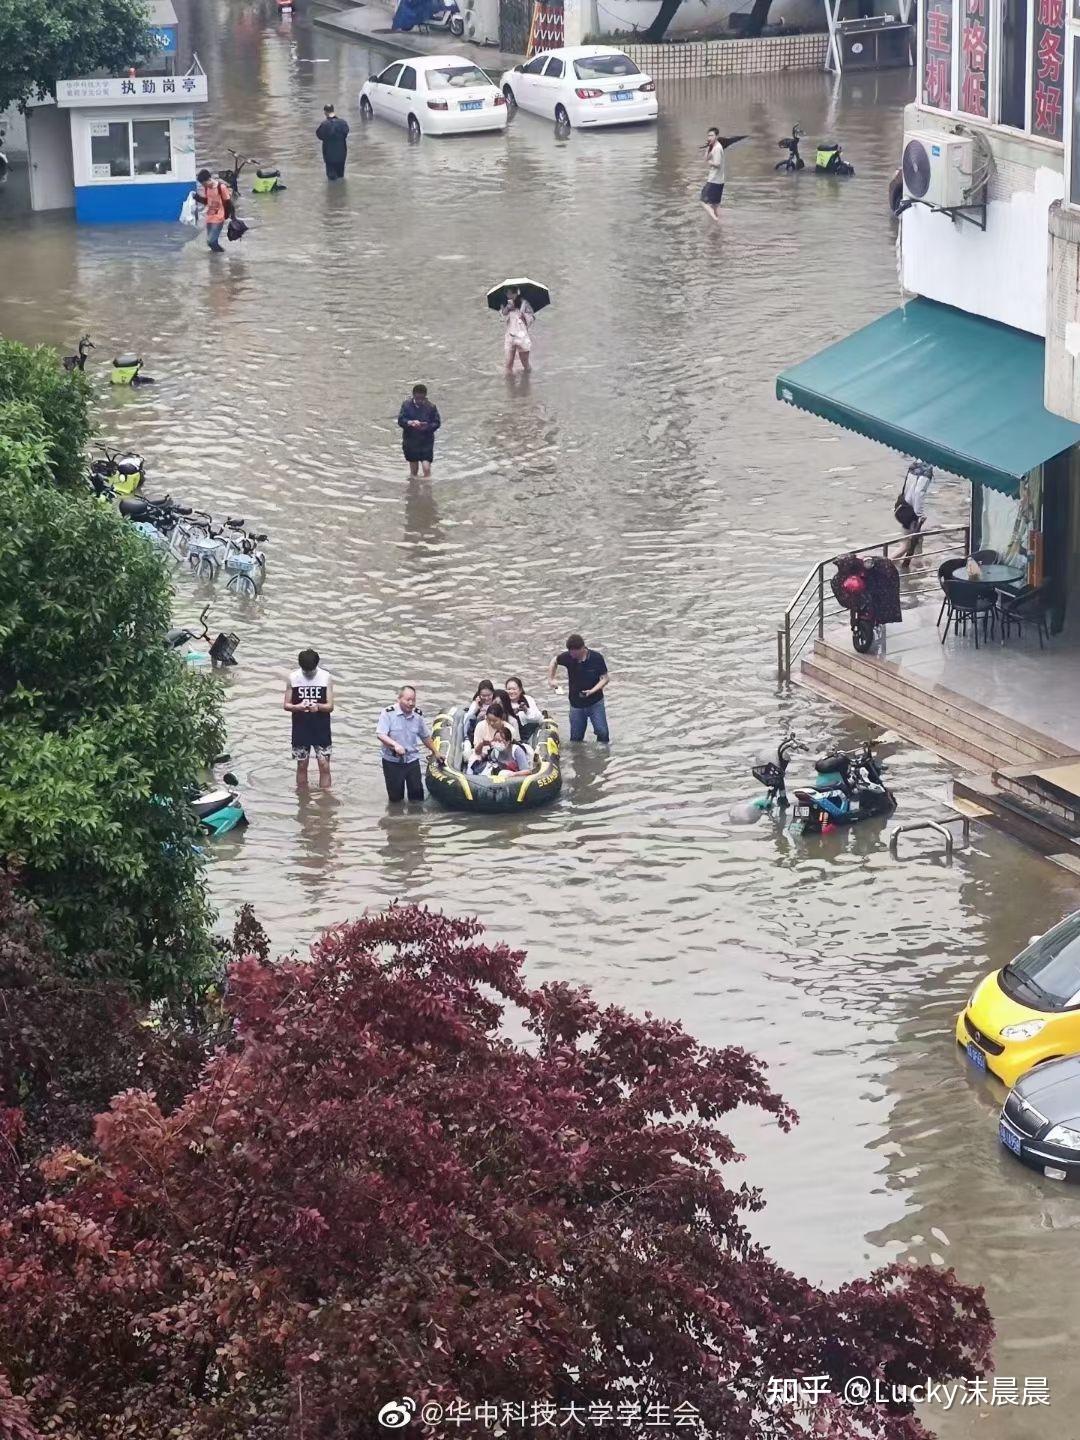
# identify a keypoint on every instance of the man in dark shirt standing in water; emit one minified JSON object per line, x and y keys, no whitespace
{"x":334,"y":134}
{"x":587,"y":675}
{"x":309,"y":698}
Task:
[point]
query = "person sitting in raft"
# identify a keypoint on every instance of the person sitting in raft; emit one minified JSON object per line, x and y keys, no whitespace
{"x":485,"y":730}
{"x":485,"y":693}
{"x":501,"y":752}
{"x":524,"y":709}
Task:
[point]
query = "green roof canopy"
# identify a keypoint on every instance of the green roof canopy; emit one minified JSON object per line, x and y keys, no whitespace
{"x":962,"y":393}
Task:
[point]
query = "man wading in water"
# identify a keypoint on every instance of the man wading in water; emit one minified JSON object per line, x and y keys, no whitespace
{"x":712,"y":192}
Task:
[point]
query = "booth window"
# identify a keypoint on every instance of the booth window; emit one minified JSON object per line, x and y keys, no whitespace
{"x":123,"y":148}
{"x":110,"y":150}
{"x":151,"y":147}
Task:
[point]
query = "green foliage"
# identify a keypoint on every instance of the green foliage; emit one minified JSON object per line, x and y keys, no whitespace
{"x":42,"y":41}
{"x":42,"y":405}
{"x":102,"y":730}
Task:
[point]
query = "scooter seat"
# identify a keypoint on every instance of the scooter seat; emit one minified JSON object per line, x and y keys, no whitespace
{"x":128,"y":467}
{"x":124,"y":362}
{"x":134,"y":509}
{"x":268,"y":174}
{"x":213,"y":801}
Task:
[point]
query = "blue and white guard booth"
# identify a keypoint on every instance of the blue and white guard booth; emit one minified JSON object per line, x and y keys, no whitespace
{"x":132,"y":144}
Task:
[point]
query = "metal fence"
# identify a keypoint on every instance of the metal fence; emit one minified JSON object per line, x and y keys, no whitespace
{"x":814,"y":603}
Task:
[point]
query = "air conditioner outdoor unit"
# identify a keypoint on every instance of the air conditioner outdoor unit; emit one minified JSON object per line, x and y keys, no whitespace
{"x":938,"y":169}
{"x":481,"y":21}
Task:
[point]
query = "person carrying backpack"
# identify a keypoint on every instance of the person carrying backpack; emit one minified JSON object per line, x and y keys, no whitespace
{"x":910,"y":508}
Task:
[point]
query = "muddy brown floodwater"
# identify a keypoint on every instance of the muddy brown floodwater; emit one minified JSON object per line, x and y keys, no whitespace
{"x":644,"y":486}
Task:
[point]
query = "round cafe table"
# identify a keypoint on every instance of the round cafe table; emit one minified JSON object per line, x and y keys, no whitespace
{"x":997,"y":575}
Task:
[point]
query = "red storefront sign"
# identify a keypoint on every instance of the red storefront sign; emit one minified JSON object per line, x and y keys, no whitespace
{"x":937,"y":55}
{"x":974,"y":41}
{"x":1048,"y":69}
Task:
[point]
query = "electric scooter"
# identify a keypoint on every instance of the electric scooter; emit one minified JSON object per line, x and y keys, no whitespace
{"x":218,"y":808}
{"x":790,"y":143}
{"x":266,"y":182}
{"x":119,"y":473}
{"x":446,"y":18}
{"x":127,"y":370}
{"x":78,"y":360}
{"x":848,"y":788}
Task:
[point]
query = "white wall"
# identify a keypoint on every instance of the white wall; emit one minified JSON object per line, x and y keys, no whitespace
{"x":183,"y":142}
{"x":1000,"y":274}
{"x":13,"y":127}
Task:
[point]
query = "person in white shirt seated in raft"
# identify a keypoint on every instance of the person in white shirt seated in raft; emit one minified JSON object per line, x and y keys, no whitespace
{"x":525,"y":710}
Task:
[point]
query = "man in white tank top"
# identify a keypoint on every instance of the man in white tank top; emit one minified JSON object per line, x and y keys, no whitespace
{"x":309,"y":699}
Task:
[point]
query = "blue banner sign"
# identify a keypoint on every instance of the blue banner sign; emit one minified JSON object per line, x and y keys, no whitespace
{"x":164,"y":37}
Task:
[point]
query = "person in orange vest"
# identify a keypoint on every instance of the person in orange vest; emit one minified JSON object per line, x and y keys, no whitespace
{"x":216,"y":196}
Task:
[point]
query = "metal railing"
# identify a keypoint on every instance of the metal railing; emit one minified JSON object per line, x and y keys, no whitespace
{"x":940,"y":827}
{"x":814,"y":603}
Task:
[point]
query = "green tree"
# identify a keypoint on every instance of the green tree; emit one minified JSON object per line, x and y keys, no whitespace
{"x":43,"y":41}
{"x":102,"y":730}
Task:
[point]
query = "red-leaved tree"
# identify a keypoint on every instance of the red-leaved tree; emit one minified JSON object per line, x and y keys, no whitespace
{"x":374,"y":1194}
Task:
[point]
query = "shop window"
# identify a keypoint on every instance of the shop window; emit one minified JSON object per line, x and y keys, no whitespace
{"x":151,"y":146}
{"x":110,"y":149}
{"x":1014,"y":63}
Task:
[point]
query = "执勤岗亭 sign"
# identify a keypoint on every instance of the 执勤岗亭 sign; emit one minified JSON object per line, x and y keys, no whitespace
{"x":1048,"y":69}
{"x":133,"y":90}
{"x":937,"y":56}
{"x":974,"y":49}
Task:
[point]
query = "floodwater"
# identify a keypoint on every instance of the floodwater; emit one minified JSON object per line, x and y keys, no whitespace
{"x":645,"y":487}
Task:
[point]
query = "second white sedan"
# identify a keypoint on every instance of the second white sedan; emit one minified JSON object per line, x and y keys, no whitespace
{"x":583,"y":85}
{"x":435,"y":95}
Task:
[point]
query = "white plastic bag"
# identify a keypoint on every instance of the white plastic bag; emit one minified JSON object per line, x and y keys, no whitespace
{"x":188,"y":215}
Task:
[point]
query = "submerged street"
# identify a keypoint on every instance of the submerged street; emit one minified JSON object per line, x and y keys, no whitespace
{"x":643,"y":485}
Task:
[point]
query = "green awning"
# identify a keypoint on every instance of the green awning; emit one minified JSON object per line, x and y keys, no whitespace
{"x":962,"y":393}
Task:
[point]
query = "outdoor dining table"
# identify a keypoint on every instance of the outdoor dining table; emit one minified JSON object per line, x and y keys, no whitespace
{"x":999,"y":575}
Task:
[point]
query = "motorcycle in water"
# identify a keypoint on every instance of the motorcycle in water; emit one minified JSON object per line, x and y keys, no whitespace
{"x":848,"y":788}
{"x":221,"y":651}
{"x":266,"y":182}
{"x":869,"y":589}
{"x":78,"y":360}
{"x":827,"y":160}
{"x":118,"y":474}
{"x":790,"y":143}
{"x":218,"y":808}
{"x":127,"y":370}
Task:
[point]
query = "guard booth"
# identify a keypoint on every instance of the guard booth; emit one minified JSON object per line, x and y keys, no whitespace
{"x":862,"y":39}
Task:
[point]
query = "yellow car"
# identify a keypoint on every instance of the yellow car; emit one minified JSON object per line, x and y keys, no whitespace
{"x":1029,"y":1011}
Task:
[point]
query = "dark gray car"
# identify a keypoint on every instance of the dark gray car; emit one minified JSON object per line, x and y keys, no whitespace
{"x":1040,"y":1120}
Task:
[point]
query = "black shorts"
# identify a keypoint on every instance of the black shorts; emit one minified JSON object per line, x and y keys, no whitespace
{"x":416,"y":451}
{"x":712,"y":194}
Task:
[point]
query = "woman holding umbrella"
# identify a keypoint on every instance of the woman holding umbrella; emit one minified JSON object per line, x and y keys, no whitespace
{"x":517,"y":301}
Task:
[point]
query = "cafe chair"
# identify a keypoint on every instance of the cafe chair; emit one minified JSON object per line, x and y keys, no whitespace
{"x":987,"y":557}
{"x":945,"y":571}
{"x":970,"y":600}
{"x":1029,"y":606}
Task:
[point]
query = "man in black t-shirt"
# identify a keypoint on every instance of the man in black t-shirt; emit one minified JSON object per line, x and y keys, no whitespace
{"x":587,"y":676}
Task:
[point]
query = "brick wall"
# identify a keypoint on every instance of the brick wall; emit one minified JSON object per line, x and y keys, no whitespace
{"x":695,"y":59}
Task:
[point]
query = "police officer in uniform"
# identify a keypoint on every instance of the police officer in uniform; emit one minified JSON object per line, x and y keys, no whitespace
{"x":401,"y":730}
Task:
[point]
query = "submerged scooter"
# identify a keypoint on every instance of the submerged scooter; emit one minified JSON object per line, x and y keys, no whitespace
{"x":218,"y":808}
{"x":78,"y":360}
{"x":119,"y":473}
{"x":266,"y":182}
{"x":221,"y":651}
{"x":127,"y":370}
{"x":828,"y":156}
{"x":846,"y":788}
{"x":790,"y":143}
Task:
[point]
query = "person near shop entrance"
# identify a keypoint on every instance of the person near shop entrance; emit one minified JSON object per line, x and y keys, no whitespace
{"x":401,"y":730}
{"x":216,"y":197}
{"x":587,"y":678}
{"x":334,"y":134}
{"x":910,"y":508}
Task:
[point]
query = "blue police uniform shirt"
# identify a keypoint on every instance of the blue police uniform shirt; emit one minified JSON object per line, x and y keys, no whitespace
{"x":407,"y":730}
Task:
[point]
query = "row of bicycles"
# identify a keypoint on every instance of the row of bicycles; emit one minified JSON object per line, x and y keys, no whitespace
{"x":182,"y":535}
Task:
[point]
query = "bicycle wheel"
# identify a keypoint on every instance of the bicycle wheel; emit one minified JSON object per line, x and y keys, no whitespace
{"x":242,"y":585}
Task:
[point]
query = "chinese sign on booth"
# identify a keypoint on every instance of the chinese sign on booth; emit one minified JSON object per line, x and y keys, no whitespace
{"x":974,"y":99}
{"x":1048,"y":69}
{"x":937,"y":59}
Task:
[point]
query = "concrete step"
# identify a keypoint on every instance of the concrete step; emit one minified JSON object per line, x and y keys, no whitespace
{"x":1021,"y":784}
{"x":913,"y":714}
{"x":992,"y":725}
{"x":1035,"y":827}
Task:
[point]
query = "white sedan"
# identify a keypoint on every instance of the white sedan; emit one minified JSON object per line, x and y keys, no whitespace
{"x":583,"y":85}
{"x":435,"y":95}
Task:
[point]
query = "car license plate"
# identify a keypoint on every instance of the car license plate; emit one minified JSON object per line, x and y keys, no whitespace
{"x":1008,"y":1139}
{"x":802,"y":812}
{"x":471,"y":105}
{"x":622,"y":95}
{"x":976,"y":1056}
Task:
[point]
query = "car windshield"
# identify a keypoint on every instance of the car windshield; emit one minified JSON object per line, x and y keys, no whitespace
{"x":456,"y":77}
{"x":604,"y":67}
{"x":1048,"y":971}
